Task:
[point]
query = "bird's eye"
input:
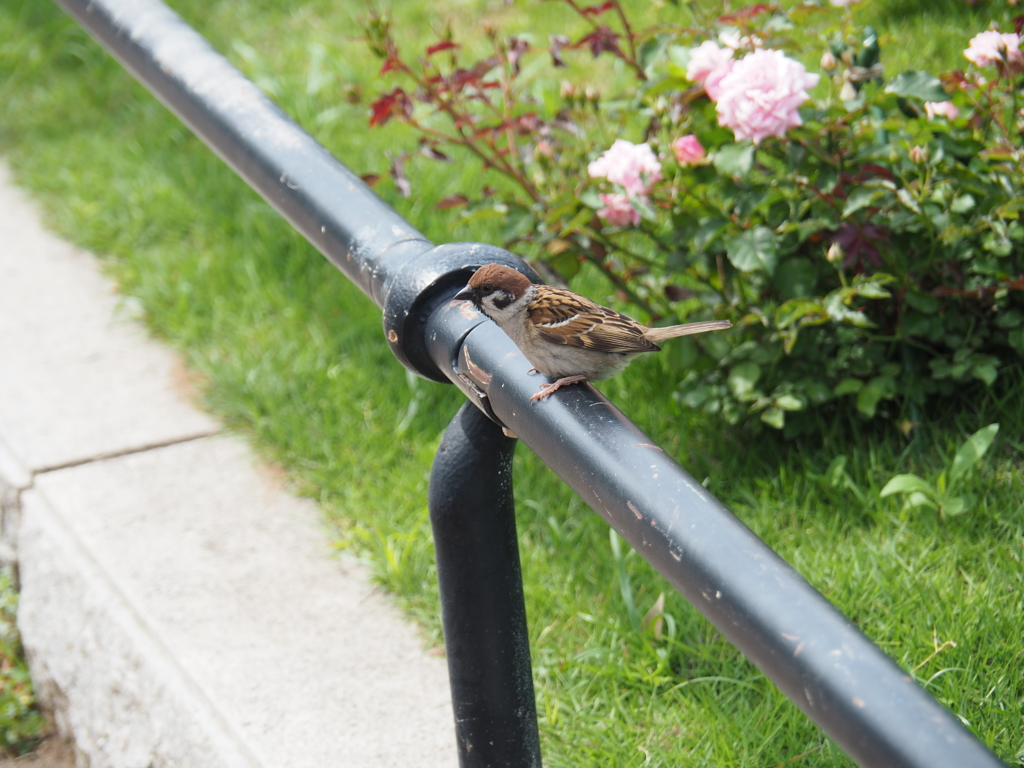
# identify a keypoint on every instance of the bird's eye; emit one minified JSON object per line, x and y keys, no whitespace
{"x":487,"y":288}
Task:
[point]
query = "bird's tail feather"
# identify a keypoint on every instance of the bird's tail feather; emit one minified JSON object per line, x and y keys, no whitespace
{"x":658,"y":335}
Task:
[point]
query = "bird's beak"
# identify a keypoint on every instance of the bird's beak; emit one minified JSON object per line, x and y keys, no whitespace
{"x":466,"y":294}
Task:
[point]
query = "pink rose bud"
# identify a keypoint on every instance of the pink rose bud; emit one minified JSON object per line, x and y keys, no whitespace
{"x":835,"y":253}
{"x":946,"y":109}
{"x":688,"y":150}
{"x":918,"y":154}
{"x":828,"y":61}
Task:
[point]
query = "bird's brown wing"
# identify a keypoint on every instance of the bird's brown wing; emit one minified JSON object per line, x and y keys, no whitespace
{"x":563,"y":317}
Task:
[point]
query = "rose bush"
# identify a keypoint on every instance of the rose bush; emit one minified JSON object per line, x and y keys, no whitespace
{"x":861,"y":231}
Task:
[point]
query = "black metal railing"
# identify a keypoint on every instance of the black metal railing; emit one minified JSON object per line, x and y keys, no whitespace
{"x":842,"y":681}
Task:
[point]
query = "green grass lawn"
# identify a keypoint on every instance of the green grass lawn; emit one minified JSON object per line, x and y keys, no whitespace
{"x":292,"y":355}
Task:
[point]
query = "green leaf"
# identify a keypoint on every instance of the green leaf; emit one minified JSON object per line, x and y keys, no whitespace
{"x":840,"y":313}
{"x":986,"y":372}
{"x":862,"y":197}
{"x":1009,"y":318}
{"x":582,"y":218}
{"x":918,"y":499}
{"x":695,"y":397}
{"x":592,"y":199}
{"x":878,"y":389}
{"x":818,"y":392}
{"x":518,"y":221}
{"x":641,"y":205}
{"x":922,"y":302}
{"x":755,"y":249}
{"x":972,"y":451}
{"x":653,"y":50}
{"x":679,"y":56}
{"x":734,"y":159}
{"x":997,"y":242}
{"x":567,"y":264}
{"x":774,"y":417}
{"x":962,"y":204}
{"x":789,"y":403}
{"x":907,"y":199}
{"x":1016,"y":339}
{"x":908,"y":484}
{"x":708,"y":232}
{"x":742,"y":379}
{"x":848,"y":387}
{"x":797,"y":309}
{"x":953,"y":506}
{"x":795,"y":277}
{"x":872,"y":289}
{"x":674,"y":81}
{"x":919,"y":85}
{"x":806,"y":227}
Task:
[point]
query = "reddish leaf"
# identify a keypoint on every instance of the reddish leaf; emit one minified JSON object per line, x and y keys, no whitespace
{"x":444,"y":45}
{"x":516,"y":48}
{"x":676,"y":293}
{"x":744,"y":13}
{"x":461,"y":78}
{"x":525,"y":124}
{"x":1018,"y":24}
{"x":427,"y":150}
{"x":564,"y":121}
{"x":353,"y":93}
{"x":389,"y":105}
{"x":558,"y":42}
{"x":872,"y":170}
{"x":597,"y":10}
{"x":397,"y":171}
{"x":599,"y":41}
{"x":390,"y":65}
{"x":452,"y":201}
{"x":858,"y":240}
{"x":370,"y":179}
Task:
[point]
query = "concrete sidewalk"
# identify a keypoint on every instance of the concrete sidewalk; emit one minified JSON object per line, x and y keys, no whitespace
{"x":179,"y":608}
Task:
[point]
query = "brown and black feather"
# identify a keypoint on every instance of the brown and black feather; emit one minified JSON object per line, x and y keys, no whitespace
{"x":563,"y":317}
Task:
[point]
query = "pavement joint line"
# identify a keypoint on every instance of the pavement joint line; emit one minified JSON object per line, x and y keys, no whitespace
{"x":128,"y":452}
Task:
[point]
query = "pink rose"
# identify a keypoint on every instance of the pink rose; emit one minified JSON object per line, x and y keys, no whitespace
{"x":713,"y":82}
{"x":760,"y":96}
{"x":946,"y":109}
{"x":994,"y":48}
{"x":688,"y":150}
{"x":632,"y":166}
{"x":842,"y":3}
{"x":708,"y":59}
{"x":617,"y":211}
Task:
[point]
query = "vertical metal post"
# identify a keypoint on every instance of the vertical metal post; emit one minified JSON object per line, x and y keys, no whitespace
{"x":482,"y":605}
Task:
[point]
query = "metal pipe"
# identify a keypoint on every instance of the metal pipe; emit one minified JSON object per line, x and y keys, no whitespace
{"x":329,"y":205}
{"x":814,"y":654}
{"x":482,"y":604}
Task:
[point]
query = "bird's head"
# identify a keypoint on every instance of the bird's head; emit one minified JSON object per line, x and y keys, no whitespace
{"x":493,"y":288}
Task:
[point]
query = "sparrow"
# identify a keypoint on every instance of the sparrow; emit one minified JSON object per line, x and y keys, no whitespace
{"x":564,"y":335}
